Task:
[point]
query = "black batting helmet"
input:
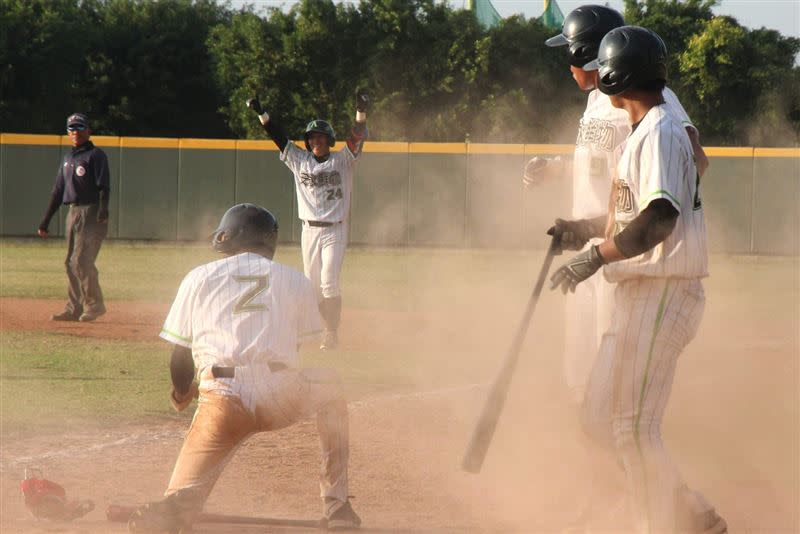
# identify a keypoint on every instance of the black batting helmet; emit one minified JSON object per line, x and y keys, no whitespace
{"x":245,"y":226}
{"x":629,"y":56}
{"x":583,"y":30}
{"x":323,"y":127}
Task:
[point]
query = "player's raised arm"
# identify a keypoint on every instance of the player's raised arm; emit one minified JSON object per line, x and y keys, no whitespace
{"x":274,"y":130}
{"x":358,"y":133}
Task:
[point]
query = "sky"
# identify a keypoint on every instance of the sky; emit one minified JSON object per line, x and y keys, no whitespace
{"x":781,"y":15}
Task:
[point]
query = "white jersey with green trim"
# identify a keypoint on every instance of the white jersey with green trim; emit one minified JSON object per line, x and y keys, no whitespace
{"x":323,"y":188}
{"x":601,"y":139}
{"x":658,"y":162}
{"x":243,"y":310}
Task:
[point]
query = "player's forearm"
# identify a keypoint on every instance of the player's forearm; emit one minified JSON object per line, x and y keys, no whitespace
{"x":181,"y":368}
{"x":700,"y":158}
{"x":647,"y":230}
{"x":52,"y":207}
{"x":274,"y":130}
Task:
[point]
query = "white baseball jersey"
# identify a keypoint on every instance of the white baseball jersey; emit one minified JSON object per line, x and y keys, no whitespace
{"x":323,"y":189}
{"x":658,"y":162}
{"x":601,"y":138}
{"x":243,"y":310}
{"x":602,"y":133}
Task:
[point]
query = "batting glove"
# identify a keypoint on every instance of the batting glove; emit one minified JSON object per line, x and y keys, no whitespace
{"x":255,"y":104}
{"x":577,"y":270}
{"x":574,"y":234}
{"x":362,"y":101}
{"x":537,"y":170}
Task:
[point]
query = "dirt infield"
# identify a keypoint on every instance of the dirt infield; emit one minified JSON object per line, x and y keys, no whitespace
{"x":406,"y":446}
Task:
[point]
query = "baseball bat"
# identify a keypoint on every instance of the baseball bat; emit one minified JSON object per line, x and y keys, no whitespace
{"x":487,"y":422}
{"x":120,"y":514}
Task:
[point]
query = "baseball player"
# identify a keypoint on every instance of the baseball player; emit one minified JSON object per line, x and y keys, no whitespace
{"x":601,"y":135}
{"x":236,"y":324}
{"x":654,"y":251}
{"x":324,"y":182}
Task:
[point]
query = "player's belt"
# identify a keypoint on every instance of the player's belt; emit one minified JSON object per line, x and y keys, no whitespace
{"x":320,"y":223}
{"x":230,"y":372}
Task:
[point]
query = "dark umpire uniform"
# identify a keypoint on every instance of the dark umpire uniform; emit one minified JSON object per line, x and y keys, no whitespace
{"x":82,"y":183}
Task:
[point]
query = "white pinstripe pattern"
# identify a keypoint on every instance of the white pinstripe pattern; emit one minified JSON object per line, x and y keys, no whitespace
{"x":658,"y":162}
{"x":246,"y":311}
{"x":323,"y":257}
{"x":655,"y":318}
{"x":317,"y":198}
{"x":203,"y":316}
{"x":602,"y":135}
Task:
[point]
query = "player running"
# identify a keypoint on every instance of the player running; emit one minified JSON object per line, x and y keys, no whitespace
{"x":236,"y":324}
{"x":655,"y":252}
{"x":324,"y":183}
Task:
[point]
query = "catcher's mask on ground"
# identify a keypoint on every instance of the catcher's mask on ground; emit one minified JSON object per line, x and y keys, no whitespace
{"x":320,"y":126}
{"x":245,"y":227}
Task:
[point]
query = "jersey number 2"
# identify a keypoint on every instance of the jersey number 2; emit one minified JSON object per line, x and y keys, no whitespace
{"x":333,"y":194}
{"x":245,"y":302}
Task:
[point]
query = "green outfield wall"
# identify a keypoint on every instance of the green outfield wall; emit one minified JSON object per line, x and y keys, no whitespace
{"x":405,"y":194}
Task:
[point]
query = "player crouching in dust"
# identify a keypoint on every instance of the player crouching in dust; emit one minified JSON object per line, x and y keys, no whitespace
{"x":239,"y":322}
{"x":323,"y":181}
{"x":655,"y":252}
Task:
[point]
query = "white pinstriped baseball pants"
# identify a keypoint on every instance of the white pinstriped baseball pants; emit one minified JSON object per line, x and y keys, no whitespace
{"x":323,"y":256}
{"x":630,"y":384}
{"x":264,"y":401}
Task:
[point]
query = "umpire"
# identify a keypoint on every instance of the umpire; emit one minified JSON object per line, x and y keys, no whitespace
{"x":82,"y":183}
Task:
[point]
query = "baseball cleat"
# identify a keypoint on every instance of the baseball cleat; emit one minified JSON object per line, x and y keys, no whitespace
{"x":344,"y":518}
{"x":89,"y":316}
{"x":154,"y":518}
{"x":330,"y":340}
{"x":710,"y":522}
{"x":65,"y":316}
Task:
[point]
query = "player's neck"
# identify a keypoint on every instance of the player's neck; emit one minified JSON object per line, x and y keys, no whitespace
{"x":639,"y":103}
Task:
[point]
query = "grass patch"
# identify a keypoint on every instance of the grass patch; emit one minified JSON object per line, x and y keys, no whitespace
{"x":52,"y":379}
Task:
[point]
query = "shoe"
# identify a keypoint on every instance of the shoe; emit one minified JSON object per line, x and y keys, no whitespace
{"x":697,"y":516}
{"x":65,"y":316}
{"x":89,"y":316}
{"x":709,"y":522}
{"x":155,"y":518}
{"x":344,"y":518}
{"x":330,"y":340}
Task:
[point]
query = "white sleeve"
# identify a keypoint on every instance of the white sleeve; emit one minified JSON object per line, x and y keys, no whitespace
{"x":178,"y":325}
{"x":676,"y":108}
{"x":292,"y":156}
{"x":309,"y":322}
{"x":661,"y":169}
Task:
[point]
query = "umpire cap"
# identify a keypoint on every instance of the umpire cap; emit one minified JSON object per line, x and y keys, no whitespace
{"x":245,"y":226}
{"x":629,"y":56}
{"x":78,"y":119}
{"x":320,"y":126}
{"x":583,"y":29}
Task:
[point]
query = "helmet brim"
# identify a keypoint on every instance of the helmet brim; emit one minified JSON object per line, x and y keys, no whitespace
{"x":557,"y":40}
{"x":592,"y":65}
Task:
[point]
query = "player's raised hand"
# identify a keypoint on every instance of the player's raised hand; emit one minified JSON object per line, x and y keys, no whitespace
{"x":540,"y":169}
{"x":255,"y":104}
{"x":362,"y":101}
